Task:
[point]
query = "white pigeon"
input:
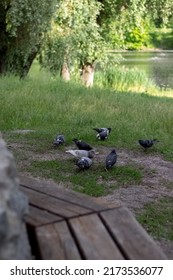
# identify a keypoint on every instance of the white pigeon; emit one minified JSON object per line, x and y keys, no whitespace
{"x":81,"y":153}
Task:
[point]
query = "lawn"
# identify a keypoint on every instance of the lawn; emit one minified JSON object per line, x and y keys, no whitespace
{"x":48,"y":106}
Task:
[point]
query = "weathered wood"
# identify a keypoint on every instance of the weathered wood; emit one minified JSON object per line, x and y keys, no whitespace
{"x":38,"y":217}
{"x":131,"y":237}
{"x":56,"y":243}
{"x":94,"y":240}
{"x":69,"y":225}
{"x":54,"y":205}
{"x":53,"y":189}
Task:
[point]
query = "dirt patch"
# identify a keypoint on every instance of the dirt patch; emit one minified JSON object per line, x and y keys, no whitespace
{"x":157,"y":179}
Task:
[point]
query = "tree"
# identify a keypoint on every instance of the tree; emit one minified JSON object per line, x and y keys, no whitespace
{"x":127,"y":23}
{"x":74,"y":39}
{"x":22,"y":27}
{"x":160,"y":10}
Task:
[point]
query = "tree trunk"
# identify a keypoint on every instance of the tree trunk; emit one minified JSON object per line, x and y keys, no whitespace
{"x":12,"y":57}
{"x":27,"y":65}
{"x":3,"y":52}
{"x":65,"y":73}
{"x":87,"y":74}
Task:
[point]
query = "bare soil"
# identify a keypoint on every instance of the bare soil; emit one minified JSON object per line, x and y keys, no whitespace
{"x":157,"y":180}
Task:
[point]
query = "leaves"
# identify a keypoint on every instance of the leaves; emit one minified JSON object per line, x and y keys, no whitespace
{"x":75,"y":26}
{"x":25,"y":22}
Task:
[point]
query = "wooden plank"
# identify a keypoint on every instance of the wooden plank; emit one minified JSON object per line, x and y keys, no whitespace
{"x":38,"y":217}
{"x":54,"y":205}
{"x":56,"y":243}
{"x":131,"y":237}
{"x":94,"y":240}
{"x":61,"y":193}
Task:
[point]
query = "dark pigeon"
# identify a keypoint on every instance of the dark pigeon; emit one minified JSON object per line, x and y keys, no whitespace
{"x":84,"y":163}
{"x":102,"y":135}
{"x":111,"y":159}
{"x":82,"y":145}
{"x":147,"y":143}
{"x":60,"y":139}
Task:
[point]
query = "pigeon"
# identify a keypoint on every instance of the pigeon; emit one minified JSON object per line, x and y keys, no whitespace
{"x":81,"y":153}
{"x":111,"y":159}
{"x":99,"y":130}
{"x":60,"y":139}
{"x":147,"y":143}
{"x":102,"y":135}
{"x":82,"y":145}
{"x":84,"y":163}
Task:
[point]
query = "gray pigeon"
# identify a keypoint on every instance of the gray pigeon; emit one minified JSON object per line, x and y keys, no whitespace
{"x":82,"y":145}
{"x":81,"y":153}
{"x":60,"y":139}
{"x":147,"y":143}
{"x":111,"y":159}
{"x":84,"y":163}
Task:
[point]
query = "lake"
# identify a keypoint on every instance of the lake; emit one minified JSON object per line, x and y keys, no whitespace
{"x":158,"y":65}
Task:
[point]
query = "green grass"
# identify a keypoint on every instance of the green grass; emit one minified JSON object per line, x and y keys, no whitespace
{"x":124,"y":80}
{"x":95,"y":181}
{"x":51,"y":106}
{"x":157,"y":218}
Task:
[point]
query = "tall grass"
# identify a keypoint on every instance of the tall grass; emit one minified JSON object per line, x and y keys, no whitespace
{"x":51,"y":106}
{"x":124,"y":80}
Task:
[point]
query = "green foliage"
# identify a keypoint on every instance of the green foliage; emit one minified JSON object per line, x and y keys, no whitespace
{"x":24,"y":24}
{"x":74,"y":36}
{"x":127,"y":24}
{"x":160,"y":11}
{"x":162,"y":38}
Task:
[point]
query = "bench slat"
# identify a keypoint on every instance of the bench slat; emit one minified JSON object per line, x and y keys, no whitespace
{"x":94,"y":240}
{"x":38,"y":217}
{"x":54,"y":205}
{"x":131,"y":237}
{"x":61,"y":193}
{"x":56,"y":243}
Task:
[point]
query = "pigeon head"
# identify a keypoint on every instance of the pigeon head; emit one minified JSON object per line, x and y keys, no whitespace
{"x":91,"y":153}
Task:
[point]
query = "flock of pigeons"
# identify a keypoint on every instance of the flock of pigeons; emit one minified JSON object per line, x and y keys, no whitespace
{"x":85,"y":152}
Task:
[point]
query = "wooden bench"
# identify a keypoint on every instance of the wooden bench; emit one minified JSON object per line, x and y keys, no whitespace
{"x":66,"y":225}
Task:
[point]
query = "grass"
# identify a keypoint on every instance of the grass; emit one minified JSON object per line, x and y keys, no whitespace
{"x":125,"y":80}
{"x":157,"y":218}
{"x":51,"y":106}
{"x":94,"y":182}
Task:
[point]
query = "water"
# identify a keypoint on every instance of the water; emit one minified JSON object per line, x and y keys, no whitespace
{"x":157,"y":65}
